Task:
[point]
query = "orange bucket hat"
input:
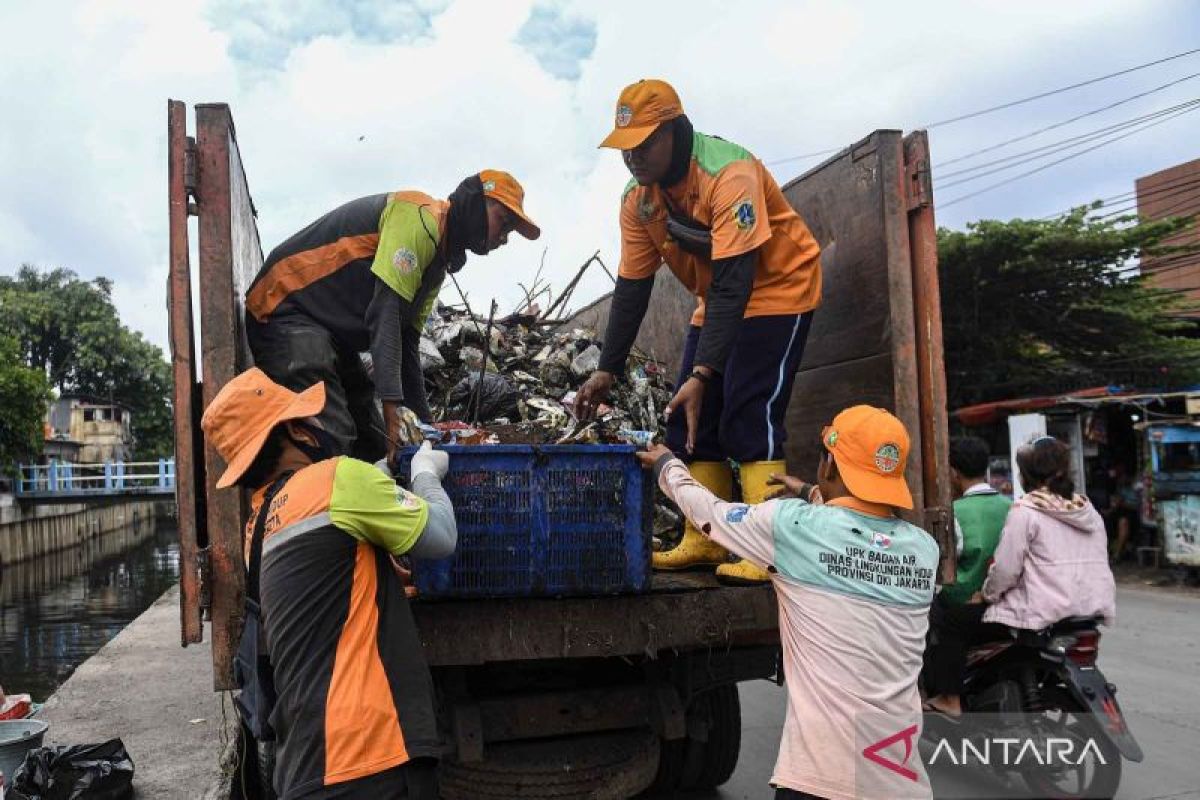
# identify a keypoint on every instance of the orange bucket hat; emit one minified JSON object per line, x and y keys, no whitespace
{"x":241,"y":416}
{"x":504,"y":189}
{"x":870,"y":447}
{"x":641,"y":108}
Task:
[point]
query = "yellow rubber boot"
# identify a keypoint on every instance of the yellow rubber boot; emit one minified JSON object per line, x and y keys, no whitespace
{"x":754,"y":476}
{"x":696,"y":549}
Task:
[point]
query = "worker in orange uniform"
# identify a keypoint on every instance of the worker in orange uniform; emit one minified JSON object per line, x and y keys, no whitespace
{"x":351,"y":708}
{"x":365,"y":277}
{"x":712,"y":212}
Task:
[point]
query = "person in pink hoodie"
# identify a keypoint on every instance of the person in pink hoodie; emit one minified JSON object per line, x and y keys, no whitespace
{"x":1052,"y":560}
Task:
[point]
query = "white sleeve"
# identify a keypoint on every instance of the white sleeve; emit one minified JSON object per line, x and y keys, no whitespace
{"x":745,"y":530}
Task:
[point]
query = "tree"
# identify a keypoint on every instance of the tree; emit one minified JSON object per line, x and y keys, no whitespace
{"x":69,"y":329}
{"x":1040,"y":306}
{"x":23,"y":398}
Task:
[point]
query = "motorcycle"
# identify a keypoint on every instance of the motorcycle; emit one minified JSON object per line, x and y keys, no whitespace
{"x":1044,"y":687}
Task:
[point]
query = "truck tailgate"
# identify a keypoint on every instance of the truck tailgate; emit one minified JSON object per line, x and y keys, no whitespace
{"x":683,"y":611}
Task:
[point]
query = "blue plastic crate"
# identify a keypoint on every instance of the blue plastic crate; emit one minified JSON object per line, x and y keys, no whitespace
{"x":542,"y":520}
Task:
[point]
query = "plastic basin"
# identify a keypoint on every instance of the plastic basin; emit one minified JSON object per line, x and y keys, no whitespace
{"x":18,"y":737}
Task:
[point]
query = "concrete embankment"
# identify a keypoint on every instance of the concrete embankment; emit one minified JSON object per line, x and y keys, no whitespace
{"x":28,"y":532}
{"x":157,"y":696}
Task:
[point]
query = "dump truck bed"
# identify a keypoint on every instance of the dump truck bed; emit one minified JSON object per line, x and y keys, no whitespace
{"x":876,"y":338}
{"x":682,"y":611}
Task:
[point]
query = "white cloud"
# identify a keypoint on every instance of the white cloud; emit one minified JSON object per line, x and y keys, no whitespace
{"x":337,"y":100}
{"x":559,"y":41}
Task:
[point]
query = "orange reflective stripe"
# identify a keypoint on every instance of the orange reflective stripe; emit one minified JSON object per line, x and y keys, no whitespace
{"x":362,"y":728}
{"x":305,"y":495}
{"x":304,"y":268}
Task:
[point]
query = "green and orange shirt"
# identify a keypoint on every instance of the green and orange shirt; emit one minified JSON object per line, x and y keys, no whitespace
{"x":328,"y":270}
{"x":355,"y":696}
{"x":729,"y":191}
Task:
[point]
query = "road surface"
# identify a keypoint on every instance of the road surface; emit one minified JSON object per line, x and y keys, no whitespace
{"x":1152,"y":655}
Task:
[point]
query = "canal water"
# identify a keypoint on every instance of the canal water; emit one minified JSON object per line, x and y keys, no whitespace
{"x":57,"y":611}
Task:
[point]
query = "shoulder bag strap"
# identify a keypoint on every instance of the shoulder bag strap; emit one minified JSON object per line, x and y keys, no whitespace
{"x":256,"y":541}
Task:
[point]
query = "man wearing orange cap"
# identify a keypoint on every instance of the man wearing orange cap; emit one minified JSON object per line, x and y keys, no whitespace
{"x":712,"y":212}
{"x":365,"y":277}
{"x":353,"y":708}
{"x":854,"y":583}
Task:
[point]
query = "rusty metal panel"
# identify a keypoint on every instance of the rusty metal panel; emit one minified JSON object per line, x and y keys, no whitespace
{"x":473,"y":632}
{"x":183,"y":364}
{"x":861,"y":348}
{"x":229,"y":258}
{"x":931,"y":372}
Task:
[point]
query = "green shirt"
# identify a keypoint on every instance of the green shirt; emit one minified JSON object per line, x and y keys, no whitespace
{"x":981,"y":518}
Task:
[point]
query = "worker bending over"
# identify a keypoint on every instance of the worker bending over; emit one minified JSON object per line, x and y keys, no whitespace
{"x":354,"y":716}
{"x":712,"y":212}
{"x":365,"y":277}
{"x":854,"y":584}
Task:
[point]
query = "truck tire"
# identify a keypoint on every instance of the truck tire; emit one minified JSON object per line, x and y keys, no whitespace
{"x":692,"y":764}
{"x":724,"y":737}
{"x":608,"y":766}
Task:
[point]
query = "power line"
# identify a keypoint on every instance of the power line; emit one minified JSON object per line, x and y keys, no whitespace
{"x":1131,"y":204}
{"x":1189,"y":180}
{"x":1009,"y":104}
{"x":1063,"y":159}
{"x":1171,"y":209}
{"x":803,"y":155}
{"x":1059,"y":146}
{"x":1053,"y":92}
{"x":1093,"y":112}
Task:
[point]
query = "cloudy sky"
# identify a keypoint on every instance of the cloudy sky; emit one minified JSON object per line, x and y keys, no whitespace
{"x":334,"y":100}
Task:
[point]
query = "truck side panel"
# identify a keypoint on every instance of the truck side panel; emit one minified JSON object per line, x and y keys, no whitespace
{"x":189,"y":487}
{"x":870,"y":208}
{"x":230,"y":257}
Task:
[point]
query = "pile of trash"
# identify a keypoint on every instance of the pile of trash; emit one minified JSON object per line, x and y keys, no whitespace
{"x":513,"y":381}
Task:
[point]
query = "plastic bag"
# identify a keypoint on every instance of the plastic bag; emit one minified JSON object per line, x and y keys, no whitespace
{"x":498,"y":397}
{"x":80,"y":772}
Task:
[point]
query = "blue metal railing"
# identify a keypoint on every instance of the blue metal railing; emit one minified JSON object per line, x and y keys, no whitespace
{"x":63,"y":478}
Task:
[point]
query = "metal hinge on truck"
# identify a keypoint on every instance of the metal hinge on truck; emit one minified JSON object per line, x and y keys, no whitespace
{"x":190,"y":177}
{"x":202,"y":567}
{"x":918,"y":184}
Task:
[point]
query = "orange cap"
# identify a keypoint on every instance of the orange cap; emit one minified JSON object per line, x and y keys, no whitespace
{"x":503,"y":188}
{"x":870,"y":447}
{"x":641,"y":108}
{"x":241,"y":416}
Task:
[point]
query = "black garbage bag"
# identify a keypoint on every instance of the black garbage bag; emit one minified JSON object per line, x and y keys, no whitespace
{"x":79,"y":772}
{"x":497,"y":398}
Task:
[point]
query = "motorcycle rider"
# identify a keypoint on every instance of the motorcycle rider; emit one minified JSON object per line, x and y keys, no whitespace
{"x":955,"y":619}
{"x":1051,"y":563}
{"x":1052,"y":560}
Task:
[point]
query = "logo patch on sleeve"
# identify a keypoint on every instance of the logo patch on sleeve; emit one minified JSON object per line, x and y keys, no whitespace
{"x":737,"y":513}
{"x":743,"y":215}
{"x":407,"y":499}
{"x":405,"y":261}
